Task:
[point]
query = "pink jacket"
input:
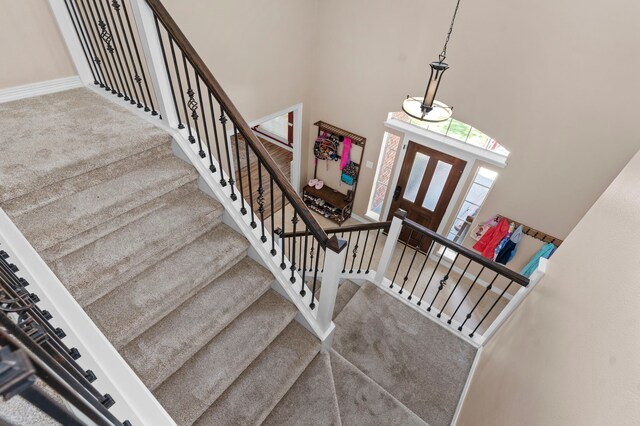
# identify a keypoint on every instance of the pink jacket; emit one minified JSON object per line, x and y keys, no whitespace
{"x":346,"y":153}
{"x":490,"y":240}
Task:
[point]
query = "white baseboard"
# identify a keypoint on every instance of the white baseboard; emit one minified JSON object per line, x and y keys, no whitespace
{"x":38,"y":89}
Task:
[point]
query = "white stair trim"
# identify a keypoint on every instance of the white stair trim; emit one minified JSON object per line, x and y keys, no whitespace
{"x":38,"y":89}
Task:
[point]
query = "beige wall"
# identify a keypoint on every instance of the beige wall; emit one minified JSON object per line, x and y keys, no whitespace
{"x":553,"y":81}
{"x":569,"y":355}
{"x":31,"y":46}
{"x":260,"y":51}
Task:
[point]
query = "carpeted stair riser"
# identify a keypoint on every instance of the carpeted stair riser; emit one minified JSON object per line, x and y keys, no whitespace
{"x":40,"y":127}
{"x":250,"y":399}
{"x":311,"y":401}
{"x":92,"y":235}
{"x":363,"y":402}
{"x":346,"y":291}
{"x":57,"y":190}
{"x":76,"y":213}
{"x":101,"y":266}
{"x":162,"y":349}
{"x":188,"y":393}
{"x":129,"y":310}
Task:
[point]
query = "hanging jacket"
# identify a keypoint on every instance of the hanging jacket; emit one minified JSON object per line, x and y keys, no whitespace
{"x":504,"y":240}
{"x":346,"y":153}
{"x":509,"y":250}
{"x":545,"y":252}
{"x":490,"y":240}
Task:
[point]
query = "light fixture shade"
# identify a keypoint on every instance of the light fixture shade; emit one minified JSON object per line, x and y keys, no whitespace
{"x":437,"y":70}
{"x":427,"y":108}
{"x":415,"y":108}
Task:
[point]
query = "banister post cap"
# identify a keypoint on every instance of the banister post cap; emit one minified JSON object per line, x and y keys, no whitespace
{"x":400,"y":214}
{"x":336,"y":244}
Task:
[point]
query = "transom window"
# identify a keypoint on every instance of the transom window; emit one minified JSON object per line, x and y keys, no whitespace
{"x":457,"y":130}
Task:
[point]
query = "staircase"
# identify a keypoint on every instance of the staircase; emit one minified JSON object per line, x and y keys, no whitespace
{"x":122,"y":223}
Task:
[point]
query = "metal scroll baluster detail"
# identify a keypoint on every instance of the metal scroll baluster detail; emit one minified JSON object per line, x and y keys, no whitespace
{"x":355,"y":254}
{"x":193,"y":107}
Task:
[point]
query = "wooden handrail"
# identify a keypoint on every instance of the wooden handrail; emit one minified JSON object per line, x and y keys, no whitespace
{"x":340,"y":229}
{"x":466,"y":252}
{"x":230,"y":109}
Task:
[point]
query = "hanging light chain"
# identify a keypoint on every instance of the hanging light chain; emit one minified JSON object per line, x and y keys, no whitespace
{"x":443,"y":54}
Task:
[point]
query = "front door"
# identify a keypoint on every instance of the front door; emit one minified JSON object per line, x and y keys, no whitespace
{"x":426,"y":184}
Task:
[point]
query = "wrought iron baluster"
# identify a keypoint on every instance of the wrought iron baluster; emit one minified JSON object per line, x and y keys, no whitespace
{"x":355,"y":252}
{"x":486,"y":290}
{"x":193,"y":107}
{"x":227,"y":148}
{"x":170,"y":78}
{"x":344,"y":267}
{"x":107,"y":36}
{"x":177,"y":71}
{"x":464,"y":271}
{"x":373,"y":250}
{"x":400,"y":261}
{"x":491,"y":309}
{"x":312,"y":305}
{"x":263,"y":237}
{"x":413,"y":258}
{"x":443,"y":281}
{"x":238,"y":170}
{"x":272,"y":217}
{"x":292,"y":254}
{"x":465,"y":295}
{"x":249,"y":179}
{"x":283,"y":243}
{"x":304,"y":266}
{"x":106,"y":58}
{"x":86,"y":49}
{"x":364,"y":250}
{"x":431,"y":277}
{"x":143,"y":76}
{"x":215,"y":137}
{"x":204,"y":122}
{"x":133,"y":76}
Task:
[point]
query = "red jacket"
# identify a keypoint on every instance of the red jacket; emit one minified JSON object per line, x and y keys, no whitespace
{"x":490,"y":240}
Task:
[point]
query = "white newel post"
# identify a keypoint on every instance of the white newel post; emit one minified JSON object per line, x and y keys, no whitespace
{"x":67,"y":29}
{"x":150,"y":41}
{"x":389,"y":246}
{"x":333,"y":262}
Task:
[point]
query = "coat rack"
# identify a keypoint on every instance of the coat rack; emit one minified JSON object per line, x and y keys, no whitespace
{"x":532,"y":232}
{"x":327,"y":201}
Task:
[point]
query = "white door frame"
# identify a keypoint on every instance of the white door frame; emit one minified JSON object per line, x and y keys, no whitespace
{"x":297,"y":139}
{"x":440,"y":143}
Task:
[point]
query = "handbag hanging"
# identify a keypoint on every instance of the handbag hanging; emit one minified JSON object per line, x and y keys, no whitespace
{"x":349,"y":173}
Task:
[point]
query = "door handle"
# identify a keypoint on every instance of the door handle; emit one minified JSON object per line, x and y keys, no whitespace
{"x":396,"y":193}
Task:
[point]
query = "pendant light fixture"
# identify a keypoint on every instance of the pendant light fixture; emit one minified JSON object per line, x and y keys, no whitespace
{"x":427,"y":108}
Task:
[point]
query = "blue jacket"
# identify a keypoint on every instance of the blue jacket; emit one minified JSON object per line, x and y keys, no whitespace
{"x":544,"y":252}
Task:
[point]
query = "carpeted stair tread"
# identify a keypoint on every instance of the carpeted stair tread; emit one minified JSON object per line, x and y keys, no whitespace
{"x":430,"y":364}
{"x":188,"y":393}
{"x":346,"y":291}
{"x":311,"y":401}
{"x":76,"y":213}
{"x":131,"y":309}
{"x":260,"y":387}
{"x":97,"y":268}
{"x":83,"y":239}
{"x":363,"y":402}
{"x":162,"y":349}
{"x":60,"y":189}
{"x":50,"y":138}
